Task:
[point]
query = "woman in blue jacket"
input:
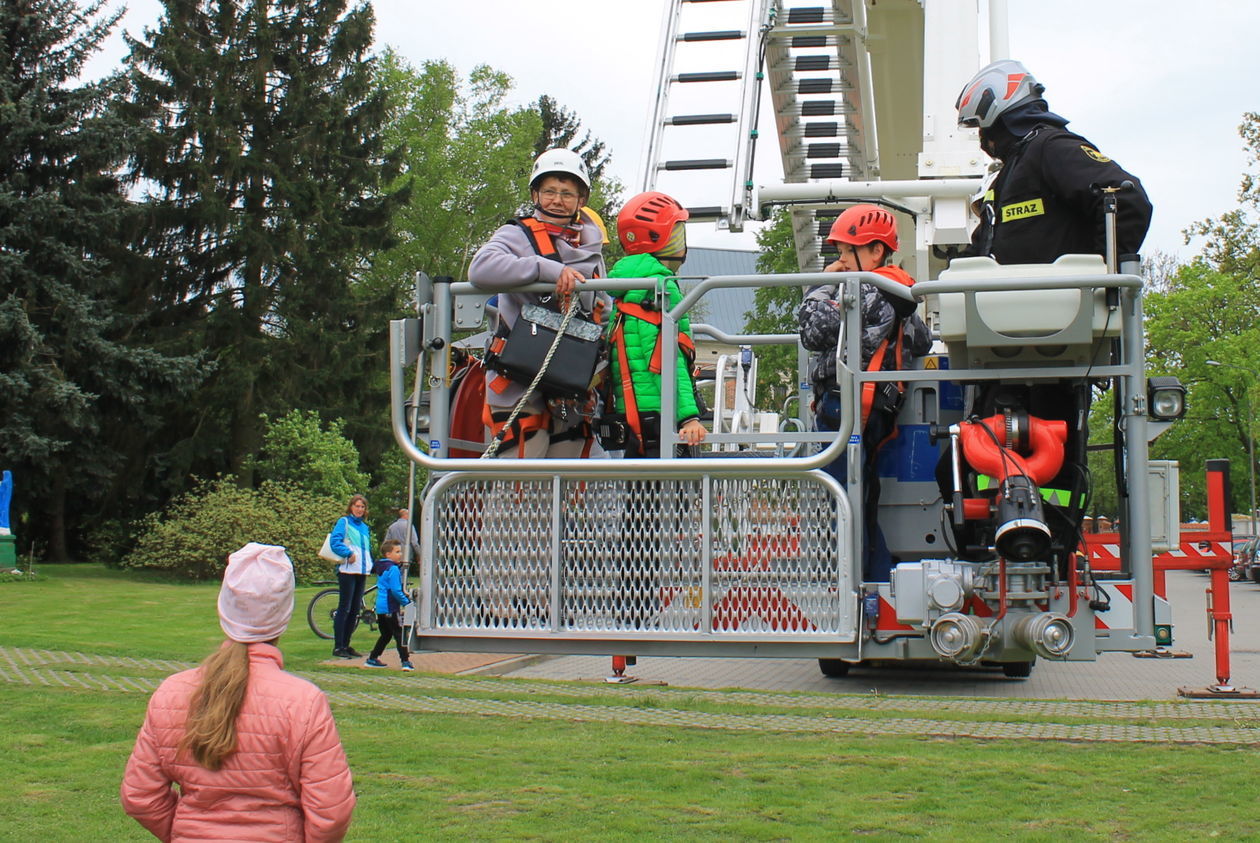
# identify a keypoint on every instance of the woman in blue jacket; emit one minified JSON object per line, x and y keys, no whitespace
{"x":351,"y":540}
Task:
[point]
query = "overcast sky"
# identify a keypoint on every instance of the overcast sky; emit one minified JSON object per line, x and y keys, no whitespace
{"x":1158,"y":85}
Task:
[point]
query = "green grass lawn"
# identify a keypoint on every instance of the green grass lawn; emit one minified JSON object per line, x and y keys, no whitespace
{"x":554,"y":768}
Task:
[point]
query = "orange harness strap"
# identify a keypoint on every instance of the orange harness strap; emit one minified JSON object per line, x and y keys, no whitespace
{"x":522,"y":428}
{"x":538,"y":234}
{"x":876,"y":365}
{"x":653,"y":317}
{"x":627,"y":382}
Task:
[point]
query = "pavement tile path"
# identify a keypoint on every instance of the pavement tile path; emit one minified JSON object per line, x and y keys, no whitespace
{"x":1212,"y":722}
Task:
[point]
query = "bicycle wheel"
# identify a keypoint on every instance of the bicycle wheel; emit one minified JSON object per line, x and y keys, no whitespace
{"x":367,"y":615}
{"x":321,"y":611}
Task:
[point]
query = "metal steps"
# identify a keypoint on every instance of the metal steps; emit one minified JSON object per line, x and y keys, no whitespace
{"x":809,"y":58}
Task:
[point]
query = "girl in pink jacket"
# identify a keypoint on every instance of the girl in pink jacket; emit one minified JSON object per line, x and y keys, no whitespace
{"x":253,"y":749}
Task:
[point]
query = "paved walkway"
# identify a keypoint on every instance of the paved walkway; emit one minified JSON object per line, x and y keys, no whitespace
{"x":1183,"y":722}
{"x":1059,"y":702}
{"x":1115,"y":676}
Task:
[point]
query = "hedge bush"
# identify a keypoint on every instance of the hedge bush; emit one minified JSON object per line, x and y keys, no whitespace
{"x":193,"y":536}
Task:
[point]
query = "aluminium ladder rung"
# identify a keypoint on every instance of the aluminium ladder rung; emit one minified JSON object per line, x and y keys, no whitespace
{"x":817,"y":86}
{"x":826,"y":171}
{"x":706,"y":213}
{"x":807,"y":14}
{"x":816,"y":108}
{"x":814,"y":130}
{"x":806,"y":64}
{"x":715,"y":35}
{"x":810,"y":36}
{"x":822,"y":150}
{"x":834,"y":86}
{"x":699,"y":119}
{"x":696,"y":164}
{"x":709,"y":76}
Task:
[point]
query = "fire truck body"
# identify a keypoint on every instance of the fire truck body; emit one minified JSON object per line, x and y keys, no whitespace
{"x":750,"y":548}
{"x":756,"y":555}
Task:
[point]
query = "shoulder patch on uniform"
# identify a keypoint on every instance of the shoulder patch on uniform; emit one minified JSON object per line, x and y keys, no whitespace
{"x":1095,"y":154}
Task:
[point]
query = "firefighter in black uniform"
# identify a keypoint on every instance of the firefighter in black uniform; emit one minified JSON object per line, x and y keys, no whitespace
{"x":1045,"y":201}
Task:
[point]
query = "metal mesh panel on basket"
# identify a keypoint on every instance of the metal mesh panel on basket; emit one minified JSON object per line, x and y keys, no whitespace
{"x":590,"y":556}
{"x":774,"y":556}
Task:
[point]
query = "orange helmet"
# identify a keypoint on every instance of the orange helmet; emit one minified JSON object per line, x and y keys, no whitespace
{"x":862,"y":224}
{"x":646,"y":221}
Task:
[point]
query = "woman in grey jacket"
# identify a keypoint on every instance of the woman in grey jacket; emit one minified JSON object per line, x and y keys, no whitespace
{"x":561,"y":243}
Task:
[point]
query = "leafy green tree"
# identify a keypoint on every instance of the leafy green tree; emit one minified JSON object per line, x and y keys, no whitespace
{"x":1206,"y":310}
{"x":774,"y":308}
{"x":1207,"y":315}
{"x":1232,"y":240}
{"x":467,"y":156}
{"x":264,"y":167}
{"x":78,"y":387}
{"x":300,"y":450}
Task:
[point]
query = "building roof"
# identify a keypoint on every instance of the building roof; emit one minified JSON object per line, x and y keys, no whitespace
{"x":723,"y":309}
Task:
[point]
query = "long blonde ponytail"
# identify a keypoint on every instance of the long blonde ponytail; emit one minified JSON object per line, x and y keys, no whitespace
{"x":210,"y":733}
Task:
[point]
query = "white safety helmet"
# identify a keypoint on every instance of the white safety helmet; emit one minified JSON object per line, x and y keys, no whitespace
{"x":993,"y":91}
{"x":563,"y":161}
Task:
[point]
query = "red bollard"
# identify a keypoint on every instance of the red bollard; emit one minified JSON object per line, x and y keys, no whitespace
{"x":619,"y":664}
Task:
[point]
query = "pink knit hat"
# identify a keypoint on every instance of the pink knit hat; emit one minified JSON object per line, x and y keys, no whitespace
{"x":256,"y":599}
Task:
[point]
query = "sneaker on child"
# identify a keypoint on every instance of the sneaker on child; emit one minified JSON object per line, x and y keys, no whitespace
{"x":375,"y":663}
{"x":407,"y":666}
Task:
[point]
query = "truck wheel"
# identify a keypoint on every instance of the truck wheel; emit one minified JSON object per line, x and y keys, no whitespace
{"x":1017,"y":670}
{"x":834,"y":668}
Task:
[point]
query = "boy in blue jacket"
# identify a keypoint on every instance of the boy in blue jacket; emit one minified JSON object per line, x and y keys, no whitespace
{"x":389,"y":602}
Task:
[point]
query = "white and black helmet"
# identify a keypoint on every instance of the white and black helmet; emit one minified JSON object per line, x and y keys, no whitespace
{"x":559,"y":161}
{"x":993,"y":91}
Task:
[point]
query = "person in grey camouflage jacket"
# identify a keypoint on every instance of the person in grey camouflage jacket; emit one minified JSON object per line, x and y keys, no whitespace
{"x":893,"y":334}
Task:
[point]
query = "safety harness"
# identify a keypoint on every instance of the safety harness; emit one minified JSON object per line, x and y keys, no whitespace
{"x":892,"y":390}
{"x":877,"y":365}
{"x":651,"y":316}
{"x":540,"y":236}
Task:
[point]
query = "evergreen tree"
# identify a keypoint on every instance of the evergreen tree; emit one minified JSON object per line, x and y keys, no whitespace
{"x":263,"y":162}
{"x":71,"y":373}
{"x":561,"y":128}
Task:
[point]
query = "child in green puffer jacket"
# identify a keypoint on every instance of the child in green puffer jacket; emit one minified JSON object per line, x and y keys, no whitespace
{"x":652,"y":231}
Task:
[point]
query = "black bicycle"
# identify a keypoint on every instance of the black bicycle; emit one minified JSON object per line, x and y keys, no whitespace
{"x":321,"y":610}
